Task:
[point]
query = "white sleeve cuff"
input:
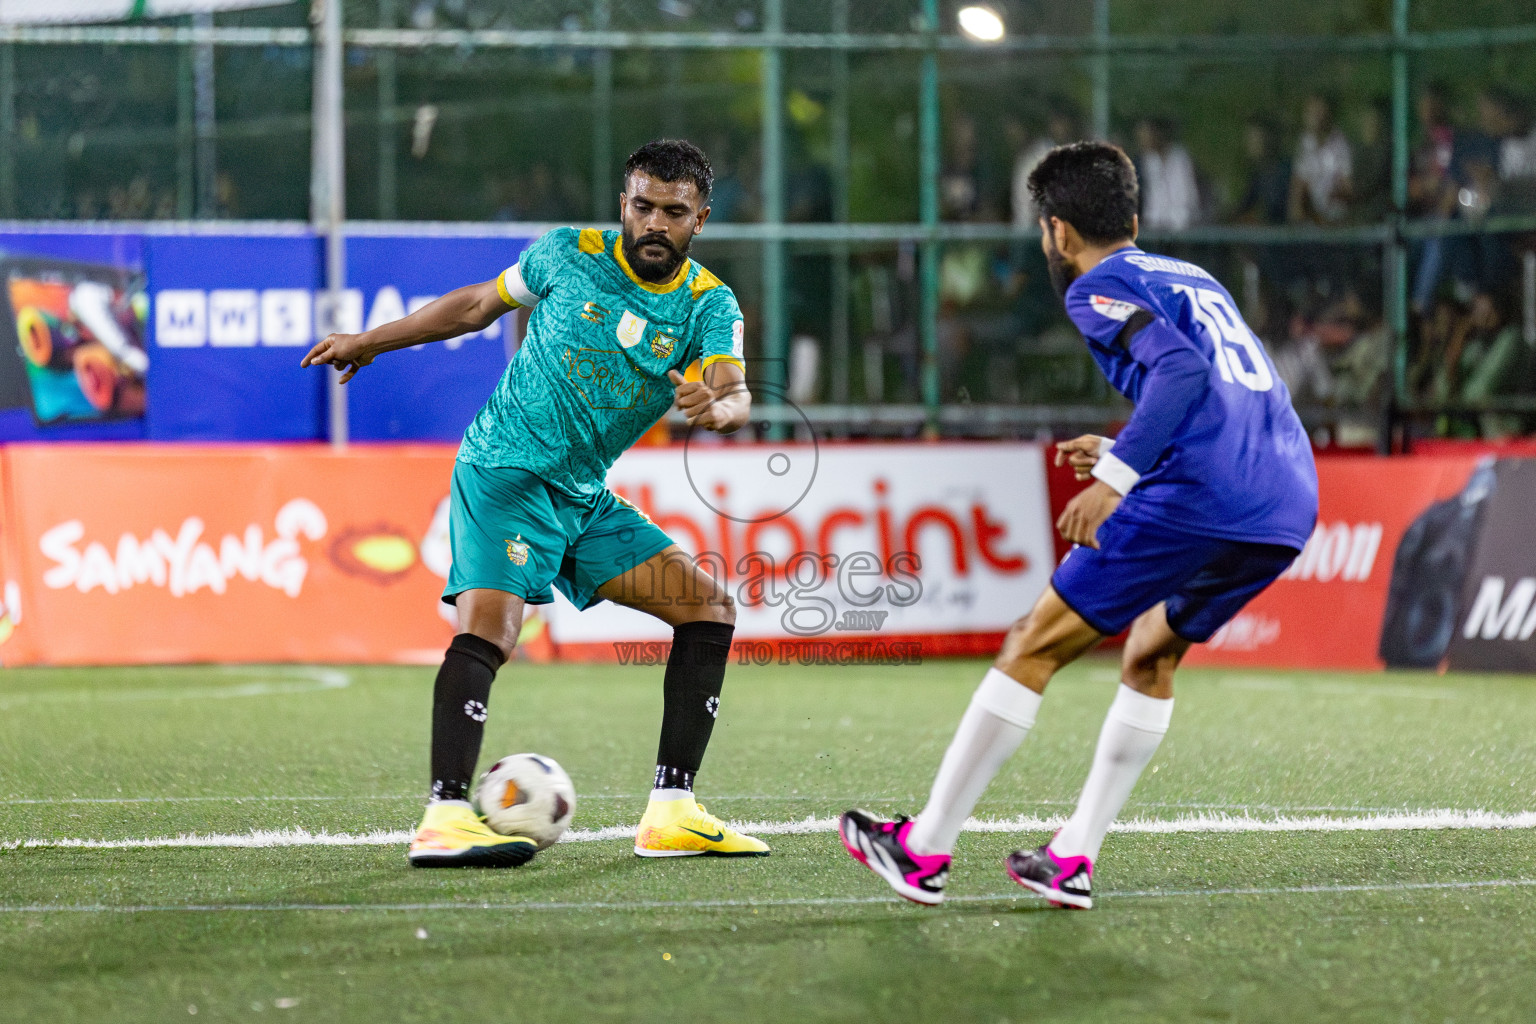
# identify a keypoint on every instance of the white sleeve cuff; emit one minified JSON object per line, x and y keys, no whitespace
{"x":1105,"y":444}
{"x":1115,"y":473}
{"x":512,"y":279}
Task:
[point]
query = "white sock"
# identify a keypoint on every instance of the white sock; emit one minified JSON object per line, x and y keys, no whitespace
{"x":663,"y":795}
{"x":450,"y":803}
{"x":1132,"y":730}
{"x":999,"y":717}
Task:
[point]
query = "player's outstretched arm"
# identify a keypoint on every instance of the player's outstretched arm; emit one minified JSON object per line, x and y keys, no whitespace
{"x":720,"y":402}
{"x":471,"y":308}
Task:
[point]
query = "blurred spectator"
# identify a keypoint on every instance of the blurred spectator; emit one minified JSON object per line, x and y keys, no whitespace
{"x":1483,"y":357}
{"x":1452,"y":178}
{"x":1431,"y":182}
{"x":1373,"y":161}
{"x":1301,"y":363}
{"x":1061,"y":128}
{"x":964,"y":192}
{"x":731,"y":200}
{"x":87,"y":207}
{"x":1322,"y":175}
{"x":1266,"y":195}
{"x":1358,"y":350}
{"x":1170,"y":195}
{"x":1512,"y":171}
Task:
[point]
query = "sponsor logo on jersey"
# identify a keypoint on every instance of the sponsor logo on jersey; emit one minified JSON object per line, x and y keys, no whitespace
{"x":662,"y":345}
{"x":593,"y":312}
{"x":607,"y":380}
{"x":738,"y":339}
{"x":517,"y":550}
{"x":631,"y":329}
{"x":1115,"y":309}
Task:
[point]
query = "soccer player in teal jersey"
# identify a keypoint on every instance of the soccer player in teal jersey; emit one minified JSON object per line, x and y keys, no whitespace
{"x":615,"y":316}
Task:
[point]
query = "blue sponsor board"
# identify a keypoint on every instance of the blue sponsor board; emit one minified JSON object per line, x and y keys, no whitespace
{"x":230,"y":319}
{"x":224,"y":321}
{"x":430,"y":392}
{"x":72,"y":355}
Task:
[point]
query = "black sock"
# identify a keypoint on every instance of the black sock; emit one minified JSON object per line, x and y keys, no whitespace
{"x":458,"y":713}
{"x":695,"y":673}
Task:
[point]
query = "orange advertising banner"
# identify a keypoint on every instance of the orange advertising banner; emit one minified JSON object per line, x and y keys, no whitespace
{"x":123,"y":554}
{"x":1330,"y":608}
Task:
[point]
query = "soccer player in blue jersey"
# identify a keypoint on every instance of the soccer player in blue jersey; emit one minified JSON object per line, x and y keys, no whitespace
{"x":1205,"y":497}
{"x":615,"y":317}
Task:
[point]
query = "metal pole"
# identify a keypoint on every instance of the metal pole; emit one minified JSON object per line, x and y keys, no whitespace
{"x":775,"y":315}
{"x":205,"y":116}
{"x":602,"y":119}
{"x":388,"y":80}
{"x":186,"y":134}
{"x":1100,"y":66}
{"x":7,"y":130}
{"x":929,"y":248}
{"x":841,"y":213}
{"x":1529,"y":296}
{"x":330,"y":204}
{"x":1397,"y":247}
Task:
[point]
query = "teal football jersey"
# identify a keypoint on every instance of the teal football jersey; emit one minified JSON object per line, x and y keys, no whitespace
{"x":591,"y":375}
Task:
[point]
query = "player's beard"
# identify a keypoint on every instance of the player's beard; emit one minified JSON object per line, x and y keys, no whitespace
{"x":1061,"y":272}
{"x":654,"y":271}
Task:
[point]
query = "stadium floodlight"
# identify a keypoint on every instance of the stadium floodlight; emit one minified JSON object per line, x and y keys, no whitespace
{"x":981,"y":23}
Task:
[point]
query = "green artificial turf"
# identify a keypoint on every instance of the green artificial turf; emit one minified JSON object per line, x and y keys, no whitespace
{"x":1371,"y":925}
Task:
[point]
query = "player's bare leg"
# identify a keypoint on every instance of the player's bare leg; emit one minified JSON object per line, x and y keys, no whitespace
{"x":914,"y":855}
{"x":1062,"y":870}
{"x":675,"y":589}
{"x":451,"y":834}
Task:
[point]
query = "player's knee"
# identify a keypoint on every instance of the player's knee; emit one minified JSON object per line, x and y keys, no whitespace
{"x":1148,"y":671}
{"x":504,"y":641}
{"x":725,"y":609}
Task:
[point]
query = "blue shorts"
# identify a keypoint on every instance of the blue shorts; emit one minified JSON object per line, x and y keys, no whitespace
{"x":1137,"y":565}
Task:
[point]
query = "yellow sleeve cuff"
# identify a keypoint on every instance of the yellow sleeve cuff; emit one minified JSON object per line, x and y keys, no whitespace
{"x":720,"y":358}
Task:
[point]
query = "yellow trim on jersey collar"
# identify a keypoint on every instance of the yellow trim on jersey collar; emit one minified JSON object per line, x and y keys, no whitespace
{"x":658,"y":289}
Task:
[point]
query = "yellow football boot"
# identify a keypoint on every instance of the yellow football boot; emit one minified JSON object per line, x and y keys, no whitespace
{"x":683,"y":828}
{"x":453,"y":836}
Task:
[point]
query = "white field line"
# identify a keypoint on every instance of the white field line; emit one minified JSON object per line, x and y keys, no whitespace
{"x":1012,"y":896}
{"x":287,"y":681}
{"x":781,"y":797}
{"x":1206,"y":823}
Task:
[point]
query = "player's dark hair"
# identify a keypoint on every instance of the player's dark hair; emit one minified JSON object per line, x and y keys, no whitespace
{"x":1090,"y":185}
{"x":672,"y":160}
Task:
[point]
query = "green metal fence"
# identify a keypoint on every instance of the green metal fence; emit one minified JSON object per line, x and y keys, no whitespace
{"x":855,"y":94}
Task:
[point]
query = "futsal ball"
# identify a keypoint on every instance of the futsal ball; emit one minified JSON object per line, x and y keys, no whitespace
{"x":527,"y":795}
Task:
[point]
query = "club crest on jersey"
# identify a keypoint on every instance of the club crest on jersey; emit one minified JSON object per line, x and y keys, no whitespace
{"x":662,"y":345}
{"x":1115,"y":309}
{"x":517,"y":550}
{"x":631,"y":329}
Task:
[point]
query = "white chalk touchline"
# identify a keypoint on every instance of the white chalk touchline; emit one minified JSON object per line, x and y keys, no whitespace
{"x":806,"y":901}
{"x":1219,"y":823}
{"x":289,"y":681}
{"x":780,"y":797}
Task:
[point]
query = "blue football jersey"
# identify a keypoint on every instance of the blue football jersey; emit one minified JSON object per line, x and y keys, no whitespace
{"x":1214,"y":446}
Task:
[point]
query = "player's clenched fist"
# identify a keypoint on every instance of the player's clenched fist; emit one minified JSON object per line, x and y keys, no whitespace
{"x":703,"y":405}
{"x":347,"y":352}
{"x":1081,"y":453}
{"x":1084,"y":514}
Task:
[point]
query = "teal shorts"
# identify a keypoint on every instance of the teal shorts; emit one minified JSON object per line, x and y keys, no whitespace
{"x":509,"y":530}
